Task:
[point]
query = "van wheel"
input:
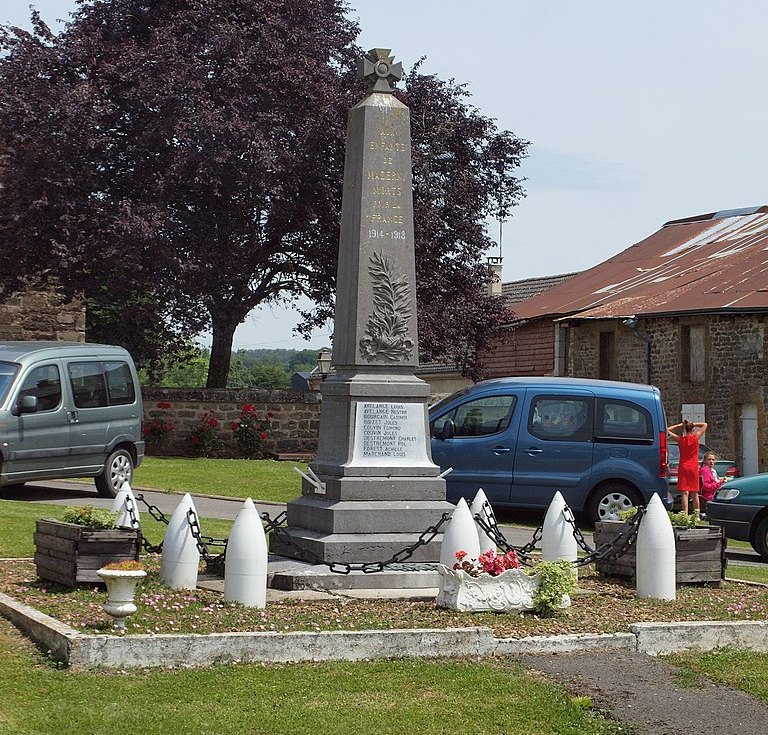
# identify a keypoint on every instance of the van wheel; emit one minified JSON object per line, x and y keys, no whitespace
{"x":118,"y":469}
{"x":760,"y":543}
{"x":609,"y":500}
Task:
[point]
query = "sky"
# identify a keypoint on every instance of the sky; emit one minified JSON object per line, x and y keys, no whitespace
{"x":637,"y":113}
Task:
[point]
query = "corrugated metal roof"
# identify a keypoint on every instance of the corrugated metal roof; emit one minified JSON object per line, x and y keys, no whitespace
{"x":712,"y":262}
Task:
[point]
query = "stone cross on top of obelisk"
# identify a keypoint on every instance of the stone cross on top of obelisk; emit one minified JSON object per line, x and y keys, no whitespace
{"x":377,"y":67}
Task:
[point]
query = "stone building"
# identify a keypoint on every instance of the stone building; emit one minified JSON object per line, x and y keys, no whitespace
{"x":41,"y":315}
{"x":685,"y":309}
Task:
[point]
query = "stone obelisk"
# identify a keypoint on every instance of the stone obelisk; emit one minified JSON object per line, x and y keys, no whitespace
{"x":381,"y":488}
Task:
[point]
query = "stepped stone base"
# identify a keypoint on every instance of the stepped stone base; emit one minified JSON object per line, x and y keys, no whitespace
{"x":290,"y":575}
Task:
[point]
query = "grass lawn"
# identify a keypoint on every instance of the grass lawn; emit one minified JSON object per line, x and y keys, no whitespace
{"x":17,"y":524}
{"x":743,"y":670}
{"x":260,"y":479}
{"x":428,"y":697}
{"x":36,"y":696}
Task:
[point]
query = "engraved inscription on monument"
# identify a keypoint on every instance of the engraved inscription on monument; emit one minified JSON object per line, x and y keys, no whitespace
{"x":390,"y":434}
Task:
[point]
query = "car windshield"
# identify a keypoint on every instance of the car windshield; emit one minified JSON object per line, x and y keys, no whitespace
{"x":674,"y":452}
{"x":7,"y":372}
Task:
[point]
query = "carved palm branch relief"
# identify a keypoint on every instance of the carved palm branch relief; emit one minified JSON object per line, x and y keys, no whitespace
{"x":386,"y":333}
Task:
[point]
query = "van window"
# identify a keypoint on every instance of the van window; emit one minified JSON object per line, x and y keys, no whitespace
{"x":561,"y":418}
{"x":44,"y":383}
{"x":622,"y":421}
{"x":482,"y":417}
{"x":87,"y":383}
{"x":7,"y":372}
{"x":120,"y":388}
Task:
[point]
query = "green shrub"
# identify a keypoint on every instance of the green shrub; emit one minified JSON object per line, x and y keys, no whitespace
{"x":91,"y":517}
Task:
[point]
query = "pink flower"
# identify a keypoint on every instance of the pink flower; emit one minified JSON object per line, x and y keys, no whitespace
{"x":234,"y":426}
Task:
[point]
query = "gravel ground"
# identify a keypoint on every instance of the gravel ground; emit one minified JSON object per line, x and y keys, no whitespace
{"x":643,"y":693}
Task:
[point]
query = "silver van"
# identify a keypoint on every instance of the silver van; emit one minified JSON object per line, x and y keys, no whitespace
{"x":69,"y":409}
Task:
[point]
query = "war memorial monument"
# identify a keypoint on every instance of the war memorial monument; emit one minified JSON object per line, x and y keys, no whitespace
{"x":379,"y":489}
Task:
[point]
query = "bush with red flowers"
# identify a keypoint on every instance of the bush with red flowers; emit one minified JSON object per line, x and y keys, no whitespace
{"x":158,"y":427}
{"x":251,"y":434}
{"x":204,"y":438}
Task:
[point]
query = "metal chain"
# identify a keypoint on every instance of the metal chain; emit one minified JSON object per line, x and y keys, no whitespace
{"x":577,"y":534}
{"x":366,"y":567}
{"x":619,"y":544}
{"x":203,"y":542}
{"x":610,"y":550}
{"x":491,"y":528}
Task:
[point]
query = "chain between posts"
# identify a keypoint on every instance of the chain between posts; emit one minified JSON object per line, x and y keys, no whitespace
{"x":275,"y":525}
{"x":366,"y":567}
{"x":610,"y":550}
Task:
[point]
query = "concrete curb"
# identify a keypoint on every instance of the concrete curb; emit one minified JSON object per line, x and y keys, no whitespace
{"x":80,"y":651}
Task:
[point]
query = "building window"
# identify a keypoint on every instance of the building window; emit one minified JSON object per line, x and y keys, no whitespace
{"x":692,"y":352}
{"x":562,"y":346}
{"x":607,"y":369}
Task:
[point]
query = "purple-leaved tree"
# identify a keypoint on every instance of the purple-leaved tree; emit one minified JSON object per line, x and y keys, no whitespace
{"x":180,"y":163}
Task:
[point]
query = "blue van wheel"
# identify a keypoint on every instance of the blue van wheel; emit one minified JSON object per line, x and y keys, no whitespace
{"x":610,"y":499}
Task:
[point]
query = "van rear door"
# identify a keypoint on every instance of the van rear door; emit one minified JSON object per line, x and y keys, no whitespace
{"x":481,"y":448}
{"x":554,"y":449}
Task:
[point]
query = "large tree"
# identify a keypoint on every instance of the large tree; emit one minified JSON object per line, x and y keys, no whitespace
{"x":180,"y":163}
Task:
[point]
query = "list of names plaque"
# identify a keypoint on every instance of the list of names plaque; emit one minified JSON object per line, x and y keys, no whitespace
{"x":390,"y":434}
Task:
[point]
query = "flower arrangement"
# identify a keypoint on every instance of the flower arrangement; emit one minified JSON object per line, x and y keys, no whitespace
{"x":204,"y":438}
{"x":126,"y":565}
{"x":90,"y":517}
{"x":488,"y":563}
{"x":158,"y":426}
{"x":544,"y":588}
{"x":250,"y":433}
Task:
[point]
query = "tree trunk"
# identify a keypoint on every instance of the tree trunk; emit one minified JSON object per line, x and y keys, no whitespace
{"x":221,"y":353}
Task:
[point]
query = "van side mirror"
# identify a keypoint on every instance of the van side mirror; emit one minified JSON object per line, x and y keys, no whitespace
{"x":446,"y":431}
{"x":27,"y":404}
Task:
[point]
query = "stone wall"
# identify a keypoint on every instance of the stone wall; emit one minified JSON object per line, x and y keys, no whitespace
{"x":41,"y":315}
{"x":293,"y":426}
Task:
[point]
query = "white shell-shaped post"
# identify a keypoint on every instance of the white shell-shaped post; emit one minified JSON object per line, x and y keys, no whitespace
{"x":557,"y":539}
{"x":656,"y":556}
{"x":245,"y":564}
{"x":461,"y":535}
{"x":181,"y":558}
{"x":120,"y":505}
{"x":481,"y":507}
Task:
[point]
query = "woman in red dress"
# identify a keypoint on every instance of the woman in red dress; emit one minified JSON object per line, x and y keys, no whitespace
{"x":688,"y":469}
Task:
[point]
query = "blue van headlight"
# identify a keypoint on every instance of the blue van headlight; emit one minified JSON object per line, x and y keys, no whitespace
{"x":727,"y":493}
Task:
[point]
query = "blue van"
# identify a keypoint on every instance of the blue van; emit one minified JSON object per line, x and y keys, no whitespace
{"x":602,"y":444}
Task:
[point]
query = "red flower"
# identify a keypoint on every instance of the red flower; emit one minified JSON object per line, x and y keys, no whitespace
{"x":164,"y":405}
{"x":263,"y":435}
{"x":234,"y":426}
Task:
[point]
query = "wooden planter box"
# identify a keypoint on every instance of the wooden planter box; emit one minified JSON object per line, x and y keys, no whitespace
{"x":700,"y":553}
{"x":68,"y":554}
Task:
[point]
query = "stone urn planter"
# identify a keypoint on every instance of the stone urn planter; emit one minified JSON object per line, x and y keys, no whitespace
{"x":121,"y":590}
{"x":68,"y":553}
{"x":510,"y":591}
{"x":700,"y":553}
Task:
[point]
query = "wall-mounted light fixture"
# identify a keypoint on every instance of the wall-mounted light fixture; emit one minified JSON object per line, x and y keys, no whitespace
{"x":324,"y":363}
{"x":631,"y":324}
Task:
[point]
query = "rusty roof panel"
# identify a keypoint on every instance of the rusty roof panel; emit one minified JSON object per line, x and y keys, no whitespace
{"x":712,"y":262}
